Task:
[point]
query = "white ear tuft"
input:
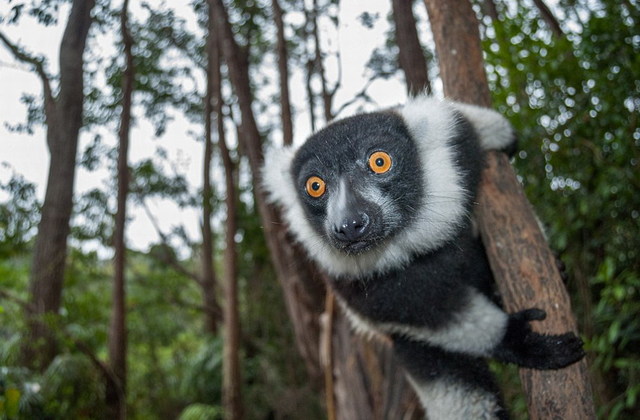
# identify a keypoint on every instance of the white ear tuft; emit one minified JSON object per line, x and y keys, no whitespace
{"x":276,"y":175}
{"x":494,"y":131}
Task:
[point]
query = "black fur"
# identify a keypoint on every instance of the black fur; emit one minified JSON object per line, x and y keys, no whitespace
{"x":433,"y":288}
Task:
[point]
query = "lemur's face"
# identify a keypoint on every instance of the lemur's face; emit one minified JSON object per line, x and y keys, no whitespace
{"x":359,"y":181}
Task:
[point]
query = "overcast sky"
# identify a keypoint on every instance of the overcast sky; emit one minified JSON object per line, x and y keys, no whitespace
{"x":27,"y":154}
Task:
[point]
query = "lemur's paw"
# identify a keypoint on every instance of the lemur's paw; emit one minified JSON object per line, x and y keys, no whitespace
{"x":522,"y":346}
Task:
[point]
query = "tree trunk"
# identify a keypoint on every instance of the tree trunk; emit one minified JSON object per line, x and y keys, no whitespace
{"x":369,"y":382}
{"x":327,"y":97}
{"x":303,"y":294}
{"x":283,"y":70}
{"x":410,"y":55}
{"x":231,"y":374}
{"x":208,"y":278}
{"x":115,"y":392}
{"x":522,"y":263}
{"x":301,"y":282}
{"x":64,"y":119}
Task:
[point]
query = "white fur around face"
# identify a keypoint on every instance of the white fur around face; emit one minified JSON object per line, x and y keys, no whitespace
{"x":448,"y":400}
{"x":476,"y":330}
{"x":431,"y":123}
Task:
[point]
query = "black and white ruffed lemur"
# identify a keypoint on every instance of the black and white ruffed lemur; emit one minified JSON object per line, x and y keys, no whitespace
{"x":382,"y":202}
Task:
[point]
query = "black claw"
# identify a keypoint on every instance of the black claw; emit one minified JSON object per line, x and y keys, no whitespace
{"x":532,"y":314}
{"x":526,"y":348}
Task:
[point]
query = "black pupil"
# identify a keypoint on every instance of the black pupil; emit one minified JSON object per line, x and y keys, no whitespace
{"x":315,"y":186}
{"x":380,"y":162}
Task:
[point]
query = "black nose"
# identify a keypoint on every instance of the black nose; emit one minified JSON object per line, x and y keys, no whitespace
{"x":352,"y":228}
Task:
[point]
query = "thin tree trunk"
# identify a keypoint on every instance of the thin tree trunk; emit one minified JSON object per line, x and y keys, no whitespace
{"x":64,"y":119}
{"x":410,"y":55}
{"x":327,"y":97}
{"x":208,"y":279}
{"x":283,"y":69}
{"x":303,"y":295}
{"x":300,"y":281}
{"x":311,"y":100}
{"x":231,"y":374}
{"x":115,"y":392}
{"x":522,"y":263}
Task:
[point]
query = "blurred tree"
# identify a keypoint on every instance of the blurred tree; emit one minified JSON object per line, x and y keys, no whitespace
{"x":231,"y":385}
{"x":302,"y":294}
{"x":410,"y":55}
{"x":63,"y":114}
{"x":283,"y":72}
{"x":116,"y":390}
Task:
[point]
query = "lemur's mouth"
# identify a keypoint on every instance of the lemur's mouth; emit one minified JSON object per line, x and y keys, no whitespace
{"x":357,"y":247}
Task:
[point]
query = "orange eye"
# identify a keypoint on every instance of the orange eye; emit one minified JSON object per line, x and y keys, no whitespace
{"x":380,"y":162}
{"x":315,"y":186}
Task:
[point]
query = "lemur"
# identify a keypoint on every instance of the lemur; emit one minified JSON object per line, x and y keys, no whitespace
{"x":383,"y":202}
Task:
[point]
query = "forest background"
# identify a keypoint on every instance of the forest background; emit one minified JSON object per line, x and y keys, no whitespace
{"x":185,"y":316}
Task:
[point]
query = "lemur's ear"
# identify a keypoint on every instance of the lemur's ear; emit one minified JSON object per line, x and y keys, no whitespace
{"x":276,"y":175}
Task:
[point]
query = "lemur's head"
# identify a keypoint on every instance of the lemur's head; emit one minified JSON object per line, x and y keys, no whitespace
{"x":362,"y":195}
{"x":359,"y":181}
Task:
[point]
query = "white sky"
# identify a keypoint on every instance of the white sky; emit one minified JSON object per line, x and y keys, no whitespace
{"x":27,"y":155}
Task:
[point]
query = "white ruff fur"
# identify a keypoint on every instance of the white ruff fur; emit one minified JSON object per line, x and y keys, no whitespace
{"x":431,"y":123}
{"x":476,"y":330}
{"x":444,"y":399}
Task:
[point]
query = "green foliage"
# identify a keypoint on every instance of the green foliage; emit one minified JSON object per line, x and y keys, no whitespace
{"x":20,"y":397}
{"x":72,"y":388}
{"x":148,"y":179}
{"x":35,"y":115}
{"x":17,"y":216}
{"x":202,"y":378}
{"x":575,"y":101}
{"x":201,"y":412}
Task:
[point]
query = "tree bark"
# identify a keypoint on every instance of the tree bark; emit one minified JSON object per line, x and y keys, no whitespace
{"x":455,"y":32}
{"x":116,"y":391}
{"x":410,"y":55}
{"x":64,"y":119}
{"x":521,"y":261}
{"x":369,"y":382}
{"x":231,"y":374}
{"x":283,"y":70}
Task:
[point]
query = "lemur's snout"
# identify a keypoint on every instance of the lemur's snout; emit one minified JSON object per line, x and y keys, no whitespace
{"x":352,"y":228}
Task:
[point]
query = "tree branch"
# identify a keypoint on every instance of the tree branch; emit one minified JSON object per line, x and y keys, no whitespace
{"x":170,"y":258}
{"x":549,"y":18}
{"x":362,"y":94}
{"x":37,"y":63}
